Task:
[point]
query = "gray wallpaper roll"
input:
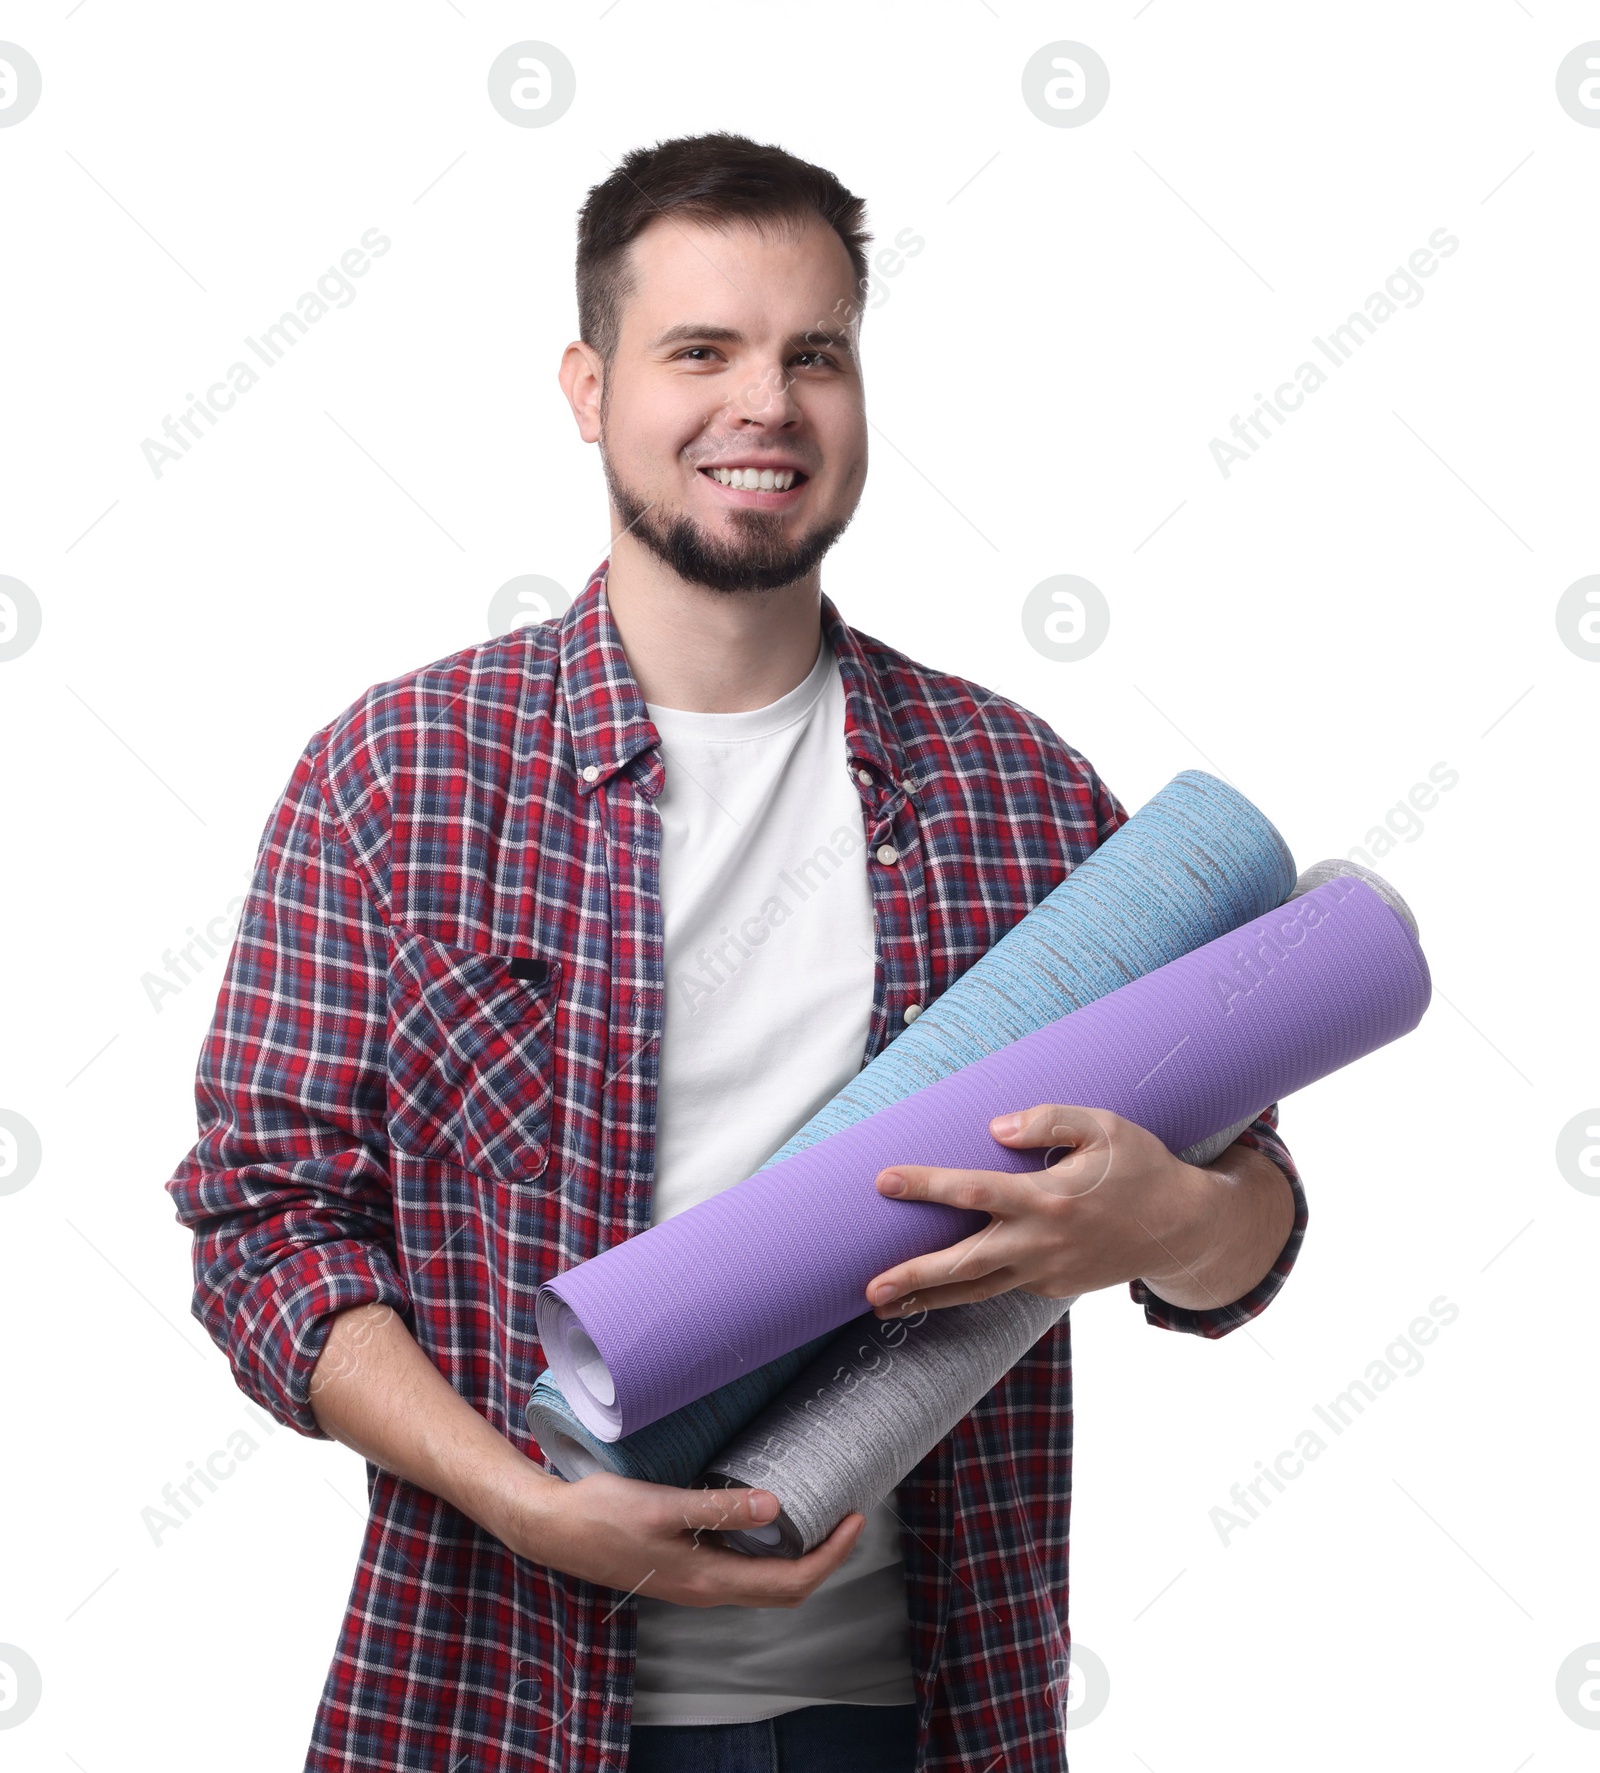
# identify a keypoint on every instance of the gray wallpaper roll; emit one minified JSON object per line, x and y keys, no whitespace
{"x":1320,"y":873}
{"x":877,"y":1399}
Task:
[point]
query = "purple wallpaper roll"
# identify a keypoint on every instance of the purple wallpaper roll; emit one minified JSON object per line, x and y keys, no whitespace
{"x":1186,"y":1050}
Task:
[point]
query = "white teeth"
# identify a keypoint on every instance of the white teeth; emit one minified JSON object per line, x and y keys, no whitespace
{"x":755,"y":479}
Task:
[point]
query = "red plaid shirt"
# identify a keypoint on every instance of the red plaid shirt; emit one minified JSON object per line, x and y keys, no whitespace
{"x":389,"y":1111}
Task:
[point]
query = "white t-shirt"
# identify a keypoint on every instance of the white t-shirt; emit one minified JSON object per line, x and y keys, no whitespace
{"x":769,"y":971}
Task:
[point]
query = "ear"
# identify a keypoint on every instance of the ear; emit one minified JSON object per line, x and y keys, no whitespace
{"x":582,"y":376}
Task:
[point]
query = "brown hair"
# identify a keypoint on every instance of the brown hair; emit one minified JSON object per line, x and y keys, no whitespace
{"x":719,"y":179}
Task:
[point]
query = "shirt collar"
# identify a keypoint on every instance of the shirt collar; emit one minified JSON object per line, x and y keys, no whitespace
{"x":611,"y":726}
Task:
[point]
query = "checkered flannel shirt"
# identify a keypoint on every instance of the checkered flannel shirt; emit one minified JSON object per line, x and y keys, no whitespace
{"x":390,"y":1111}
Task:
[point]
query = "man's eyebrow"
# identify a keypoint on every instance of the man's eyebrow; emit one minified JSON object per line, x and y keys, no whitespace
{"x":815,"y":338}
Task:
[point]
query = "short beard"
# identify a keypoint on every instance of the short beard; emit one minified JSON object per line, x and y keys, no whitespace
{"x":762,"y":559}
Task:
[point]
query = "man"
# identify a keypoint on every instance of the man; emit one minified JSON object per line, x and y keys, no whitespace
{"x":520,"y":975}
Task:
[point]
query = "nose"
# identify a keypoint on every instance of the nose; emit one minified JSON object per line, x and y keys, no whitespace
{"x":764,"y":396}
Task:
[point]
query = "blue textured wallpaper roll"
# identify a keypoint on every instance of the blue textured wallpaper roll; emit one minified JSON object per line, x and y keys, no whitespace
{"x":1197,"y":860}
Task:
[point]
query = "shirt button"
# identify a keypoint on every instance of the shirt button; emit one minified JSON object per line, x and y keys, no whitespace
{"x":887,"y":853}
{"x":863,"y":775}
{"x":591,"y":772}
{"x":913,"y":1010}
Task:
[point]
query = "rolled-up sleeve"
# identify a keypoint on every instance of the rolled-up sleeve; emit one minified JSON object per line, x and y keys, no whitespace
{"x":287,"y":1189}
{"x":1260,"y":1135}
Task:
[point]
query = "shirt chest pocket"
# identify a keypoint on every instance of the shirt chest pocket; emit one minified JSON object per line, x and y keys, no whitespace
{"x":471,"y":1055}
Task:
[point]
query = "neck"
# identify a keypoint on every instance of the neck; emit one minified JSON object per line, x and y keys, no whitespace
{"x":711,"y":652}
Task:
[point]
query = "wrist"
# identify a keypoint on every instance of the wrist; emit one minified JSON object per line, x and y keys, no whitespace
{"x":466,"y":1461}
{"x":1243,"y":1212}
{"x":516,"y":1500}
{"x":1185,"y":1236}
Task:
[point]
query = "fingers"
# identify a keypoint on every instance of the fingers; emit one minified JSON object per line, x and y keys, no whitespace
{"x":961,"y":1264}
{"x":822,"y":1560}
{"x":1051,"y":1123}
{"x":787,"y":1581}
{"x":980,"y":1191}
{"x":1000,"y":1280}
{"x":698,"y":1569}
{"x":723,"y":1510}
{"x":1080,"y":1143}
{"x":729,"y":1577}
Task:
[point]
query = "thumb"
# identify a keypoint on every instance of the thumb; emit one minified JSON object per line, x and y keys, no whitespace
{"x":729,"y":1509}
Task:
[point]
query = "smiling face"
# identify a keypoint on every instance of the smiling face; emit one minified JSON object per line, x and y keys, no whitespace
{"x":732,"y":425}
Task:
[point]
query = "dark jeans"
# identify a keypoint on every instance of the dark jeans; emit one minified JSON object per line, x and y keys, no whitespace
{"x":814,"y":1739}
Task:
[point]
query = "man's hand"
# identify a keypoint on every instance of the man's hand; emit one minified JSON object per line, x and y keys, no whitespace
{"x":1115,"y":1205}
{"x":376,"y":1391}
{"x":654,"y":1540}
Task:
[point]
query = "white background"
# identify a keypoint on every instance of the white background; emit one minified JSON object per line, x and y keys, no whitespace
{"x":1371,"y":594}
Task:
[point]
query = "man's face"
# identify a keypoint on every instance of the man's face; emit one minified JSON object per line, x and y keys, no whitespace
{"x":737,"y":350}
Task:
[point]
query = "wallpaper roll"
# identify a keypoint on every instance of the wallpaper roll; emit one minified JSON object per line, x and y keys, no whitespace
{"x":1335,"y":866}
{"x":677,"y":1448}
{"x":878,"y":1397}
{"x":680,"y":1447}
{"x":882,"y":1394}
{"x":1197,"y":860}
{"x":877,"y":1400}
{"x":1193,"y":862}
{"x":778,"y":1259}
